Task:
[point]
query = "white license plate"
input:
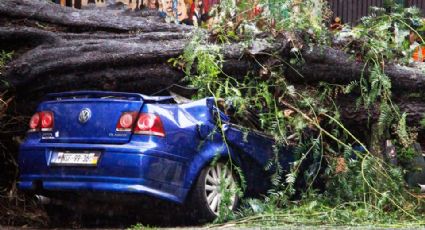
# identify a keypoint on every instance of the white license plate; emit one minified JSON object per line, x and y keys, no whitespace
{"x":75,"y":158}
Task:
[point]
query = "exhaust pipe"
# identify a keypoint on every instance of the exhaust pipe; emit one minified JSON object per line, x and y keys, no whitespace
{"x":42,"y":199}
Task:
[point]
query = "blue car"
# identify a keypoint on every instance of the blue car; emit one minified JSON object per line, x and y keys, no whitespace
{"x":127,"y":143}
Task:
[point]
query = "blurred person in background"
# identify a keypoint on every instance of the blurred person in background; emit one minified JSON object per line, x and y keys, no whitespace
{"x":167,"y":9}
{"x":182,"y":13}
{"x":176,"y":11}
{"x":199,"y":14}
{"x":152,"y":4}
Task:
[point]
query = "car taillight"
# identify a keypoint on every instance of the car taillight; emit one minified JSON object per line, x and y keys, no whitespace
{"x":47,"y":121}
{"x":34,"y":122}
{"x":149,"y":124}
{"x":126,"y":121}
{"x":43,"y":121}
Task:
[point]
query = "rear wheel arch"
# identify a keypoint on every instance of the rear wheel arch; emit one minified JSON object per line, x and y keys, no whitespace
{"x":205,"y":158}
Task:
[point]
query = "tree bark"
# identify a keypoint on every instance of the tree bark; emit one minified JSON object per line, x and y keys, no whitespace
{"x":353,"y":116}
{"x":59,"y":48}
{"x":83,"y":20}
{"x":334,"y":66}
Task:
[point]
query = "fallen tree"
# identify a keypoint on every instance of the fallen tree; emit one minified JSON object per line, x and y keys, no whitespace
{"x":58,"y":49}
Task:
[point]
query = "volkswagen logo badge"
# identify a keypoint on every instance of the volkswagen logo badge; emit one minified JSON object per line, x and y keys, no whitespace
{"x":84,"y":116}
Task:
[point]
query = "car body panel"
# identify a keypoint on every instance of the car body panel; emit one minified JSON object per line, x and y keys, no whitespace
{"x":119,"y":166}
{"x":162,"y":167}
{"x":98,"y":129}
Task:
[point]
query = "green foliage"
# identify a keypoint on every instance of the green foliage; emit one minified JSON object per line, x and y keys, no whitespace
{"x":422,"y":122}
{"x":234,"y":20}
{"x":405,"y":137}
{"x":406,"y":154}
{"x":360,"y":188}
{"x":382,"y":38}
{"x":208,"y":64}
{"x":298,"y":15}
{"x":4,"y":58}
{"x":386,"y":118}
{"x":312,"y":211}
{"x":385,"y":36}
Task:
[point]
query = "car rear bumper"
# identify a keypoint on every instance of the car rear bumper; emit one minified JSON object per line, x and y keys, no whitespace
{"x":39,"y":185}
{"x":127,"y":169}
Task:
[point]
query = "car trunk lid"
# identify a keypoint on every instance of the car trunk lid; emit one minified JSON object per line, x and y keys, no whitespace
{"x":89,"y":117}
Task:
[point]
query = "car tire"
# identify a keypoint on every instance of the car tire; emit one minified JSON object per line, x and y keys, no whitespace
{"x":205,"y":197}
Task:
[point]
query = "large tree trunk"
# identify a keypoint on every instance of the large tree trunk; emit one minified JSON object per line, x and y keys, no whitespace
{"x":59,"y":48}
{"x":335,"y":66}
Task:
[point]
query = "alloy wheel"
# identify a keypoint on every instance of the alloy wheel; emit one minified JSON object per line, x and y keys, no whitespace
{"x":219,"y":178}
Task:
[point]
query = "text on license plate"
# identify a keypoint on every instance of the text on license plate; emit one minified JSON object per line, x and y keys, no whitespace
{"x":75,"y":158}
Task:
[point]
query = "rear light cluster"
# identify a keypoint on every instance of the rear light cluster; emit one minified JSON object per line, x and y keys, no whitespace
{"x":43,"y":121}
{"x":126,"y":121}
{"x":146,"y":123}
